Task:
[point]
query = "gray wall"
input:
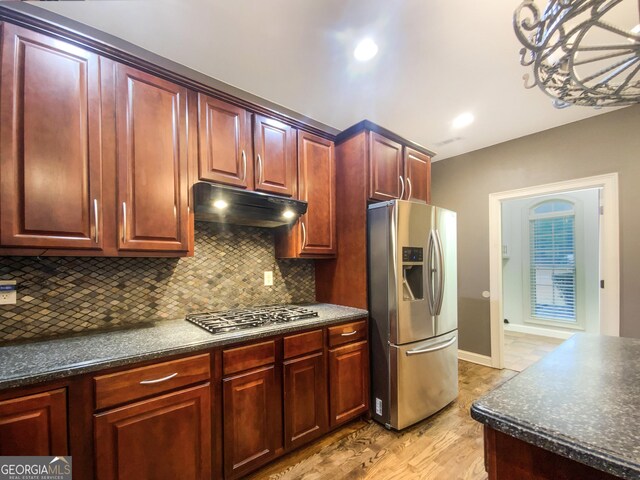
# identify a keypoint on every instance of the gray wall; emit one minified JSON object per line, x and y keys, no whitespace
{"x":602,"y":144}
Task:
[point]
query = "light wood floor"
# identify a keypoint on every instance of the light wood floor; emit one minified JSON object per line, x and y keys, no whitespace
{"x":447,"y":446}
{"x":522,"y":349}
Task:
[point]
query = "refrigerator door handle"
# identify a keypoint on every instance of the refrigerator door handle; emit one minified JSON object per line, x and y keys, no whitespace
{"x":435,"y":348}
{"x":430,"y":273}
{"x":440,"y":260}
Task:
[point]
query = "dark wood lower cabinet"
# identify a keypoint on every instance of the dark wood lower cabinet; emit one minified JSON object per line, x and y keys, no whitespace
{"x":208,"y":415}
{"x":163,"y":438}
{"x":34,"y":424}
{"x":348,"y":382}
{"x":507,"y":458}
{"x":251,"y":402}
{"x":305,"y":399}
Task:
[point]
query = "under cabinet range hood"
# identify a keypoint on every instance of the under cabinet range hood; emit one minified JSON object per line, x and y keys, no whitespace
{"x":217,"y":203}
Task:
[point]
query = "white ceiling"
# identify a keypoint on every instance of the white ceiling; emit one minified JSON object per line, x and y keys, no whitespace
{"x":437,"y":59}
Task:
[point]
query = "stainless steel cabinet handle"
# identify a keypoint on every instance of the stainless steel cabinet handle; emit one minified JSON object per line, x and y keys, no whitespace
{"x":409,"y":188}
{"x":244,"y":166}
{"x":259,"y":169}
{"x":304,"y":235}
{"x":401,"y":183}
{"x":158,"y":380}
{"x":435,"y":348}
{"x":124,"y":221}
{"x":349,"y":334}
{"x":96,"y":220}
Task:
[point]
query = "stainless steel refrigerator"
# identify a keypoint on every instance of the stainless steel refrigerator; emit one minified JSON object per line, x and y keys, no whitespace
{"x":414,"y":310}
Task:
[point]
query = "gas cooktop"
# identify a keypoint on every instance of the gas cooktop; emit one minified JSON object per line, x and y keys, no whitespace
{"x":232,"y":320}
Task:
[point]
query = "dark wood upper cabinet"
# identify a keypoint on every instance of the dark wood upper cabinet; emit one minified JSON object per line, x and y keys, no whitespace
{"x":224,"y":133}
{"x":386,"y":180}
{"x":305,"y":399}
{"x":163,"y":438}
{"x":317,"y":186}
{"x":34,"y":425}
{"x":314,"y":235}
{"x":152,"y":161}
{"x":275,"y":156}
{"x":50,"y":147}
{"x":417,"y":168}
{"x":250,"y":405}
{"x":348,"y":382}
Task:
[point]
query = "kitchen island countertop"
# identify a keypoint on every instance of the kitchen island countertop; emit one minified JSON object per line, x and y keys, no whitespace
{"x":581,"y":401}
{"x":46,"y":360}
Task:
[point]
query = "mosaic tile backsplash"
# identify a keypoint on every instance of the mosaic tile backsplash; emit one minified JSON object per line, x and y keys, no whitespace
{"x":62,"y":295}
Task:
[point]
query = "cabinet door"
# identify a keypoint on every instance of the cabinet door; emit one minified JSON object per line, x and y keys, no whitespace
{"x":275,"y":156}
{"x":162,"y":438}
{"x":51,"y":194}
{"x":250,"y":402}
{"x":224,"y":133}
{"x":305,"y":399}
{"x":417,"y":167}
{"x":151,"y":118}
{"x":348,"y":382}
{"x":386,"y":180}
{"x":34,"y":425}
{"x":317,"y":186}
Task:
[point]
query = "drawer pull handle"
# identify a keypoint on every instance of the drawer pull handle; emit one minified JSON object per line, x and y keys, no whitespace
{"x":349,"y":334}
{"x":158,"y":380}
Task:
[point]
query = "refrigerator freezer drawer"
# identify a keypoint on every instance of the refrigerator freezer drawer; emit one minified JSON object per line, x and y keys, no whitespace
{"x":424,"y":378}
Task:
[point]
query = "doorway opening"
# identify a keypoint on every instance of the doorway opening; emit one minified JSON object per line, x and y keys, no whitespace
{"x":550,"y":272}
{"x":554,"y":267}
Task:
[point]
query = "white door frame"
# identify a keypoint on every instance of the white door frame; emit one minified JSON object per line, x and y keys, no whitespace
{"x":609,"y":253}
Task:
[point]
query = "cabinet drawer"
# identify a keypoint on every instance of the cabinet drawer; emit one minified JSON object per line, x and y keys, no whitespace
{"x":122,"y":387}
{"x":308,"y":342}
{"x":347,"y":333}
{"x":251,"y":356}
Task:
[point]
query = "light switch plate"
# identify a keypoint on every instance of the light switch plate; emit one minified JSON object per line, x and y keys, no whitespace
{"x":8,"y":290}
{"x":268,"y":279}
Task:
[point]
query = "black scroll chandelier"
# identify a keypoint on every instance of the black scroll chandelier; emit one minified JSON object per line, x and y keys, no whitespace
{"x":577,"y":56}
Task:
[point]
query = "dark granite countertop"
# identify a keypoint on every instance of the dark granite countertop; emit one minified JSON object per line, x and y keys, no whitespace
{"x":29,"y":363}
{"x":581,"y":401}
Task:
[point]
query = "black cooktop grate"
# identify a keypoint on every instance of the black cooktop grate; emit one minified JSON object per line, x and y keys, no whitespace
{"x":233,"y":320}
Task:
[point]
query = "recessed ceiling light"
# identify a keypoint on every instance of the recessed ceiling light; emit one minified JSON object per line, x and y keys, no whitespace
{"x":288,"y":214}
{"x":462,"y":120}
{"x":365,"y":50}
{"x":220,"y":204}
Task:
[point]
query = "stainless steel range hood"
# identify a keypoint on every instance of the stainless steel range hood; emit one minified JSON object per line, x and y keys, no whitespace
{"x":217,"y":203}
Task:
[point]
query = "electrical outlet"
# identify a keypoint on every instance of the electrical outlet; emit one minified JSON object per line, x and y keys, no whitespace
{"x":8,"y":292}
{"x":268,"y":279}
{"x":378,"y":406}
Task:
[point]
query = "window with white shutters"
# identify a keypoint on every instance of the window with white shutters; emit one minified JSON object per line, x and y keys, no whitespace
{"x":552,"y":253}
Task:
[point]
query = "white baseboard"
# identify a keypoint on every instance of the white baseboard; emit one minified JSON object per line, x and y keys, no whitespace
{"x":474,"y":358}
{"x":541,"y":331}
